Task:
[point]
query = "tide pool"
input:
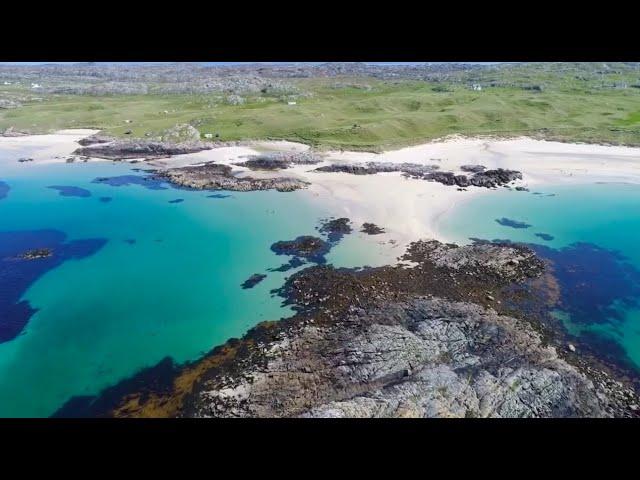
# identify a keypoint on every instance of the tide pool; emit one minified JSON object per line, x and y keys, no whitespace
{"x":162,"y":279}
{"x":591,"y":233}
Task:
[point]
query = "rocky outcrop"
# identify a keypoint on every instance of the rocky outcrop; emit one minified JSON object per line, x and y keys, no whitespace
{"x":280,"y":160}
{"x":311,"y":248}
{"x":370,"y":168}
{"x":95,"y":139}
{"x":36,"y":254}
{"x":436,"y":338}
{"x":212,"y":176}
{"x":481,"y":177}
{"x":371,"y":229}
{"x":374,"y":344}
{"x":424,"y":357}
{"x":486,"y":179}
{"x":473,"y":168}
{"x":116,"y":149}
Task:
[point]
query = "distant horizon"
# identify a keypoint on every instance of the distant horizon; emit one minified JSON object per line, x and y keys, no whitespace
{"x":222,"y":64}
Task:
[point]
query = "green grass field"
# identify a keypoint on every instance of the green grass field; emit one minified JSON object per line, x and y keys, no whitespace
{"x":388,"y":114}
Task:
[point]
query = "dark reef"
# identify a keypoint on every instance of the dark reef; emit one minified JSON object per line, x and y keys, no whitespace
{"x":67,"y":191}
{"x":545,"y":236}
{"x":24,"y":257}
{"x":149,"y":182}
{"x":253,"y":280}
{"x":295,"y":262}
{"x":335,"y":228}
{"x":507,"y":222}
{"x":310,"y":248}
{"x":371,"y":229}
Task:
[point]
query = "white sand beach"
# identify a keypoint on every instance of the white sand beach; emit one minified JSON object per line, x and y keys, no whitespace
{"x":50,"y":148}
{"x":406,"y":208}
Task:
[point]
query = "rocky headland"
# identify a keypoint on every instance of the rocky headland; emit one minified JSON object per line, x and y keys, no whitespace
{"x":440,"y":334}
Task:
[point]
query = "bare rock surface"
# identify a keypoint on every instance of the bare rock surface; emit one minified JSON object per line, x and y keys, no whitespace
{"x":480,"y":176}
{"x":212,"y":176}
{"x":425,"y":357}
{"x":280,"y":160}
{"x":441,"y":337}
{"x":116,"y":149}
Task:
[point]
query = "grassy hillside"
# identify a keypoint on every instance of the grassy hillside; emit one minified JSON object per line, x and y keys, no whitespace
{"x":363,"y":113}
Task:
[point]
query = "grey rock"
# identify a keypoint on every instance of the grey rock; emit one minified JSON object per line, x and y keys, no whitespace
{"x":426,"y":357}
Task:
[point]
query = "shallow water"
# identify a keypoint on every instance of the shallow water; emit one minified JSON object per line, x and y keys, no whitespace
{"x":591,"y":232}
{"x":163,"y":278}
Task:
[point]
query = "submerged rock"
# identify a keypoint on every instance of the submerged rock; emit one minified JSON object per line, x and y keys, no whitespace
{"x":507,"y":222}
{"x":311,"y":248}
{"x":335,"y":228}
{"x":253,"y":280}
{"x":36,"y":253}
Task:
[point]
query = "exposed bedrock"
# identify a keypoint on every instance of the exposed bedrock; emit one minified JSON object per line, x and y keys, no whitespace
{"x":280,"y":160}
{"x":101,"y":146}
{"x":437,"y":338}
{"x":212,"y":176}
{"x":480,"y":178}
{"x":423,"y":357}
{"x":370,"y":168}
{"x":371,"y":229}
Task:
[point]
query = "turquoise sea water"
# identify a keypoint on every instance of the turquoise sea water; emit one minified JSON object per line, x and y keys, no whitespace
{"x":596,"y":233}
{"x":164,"y":281}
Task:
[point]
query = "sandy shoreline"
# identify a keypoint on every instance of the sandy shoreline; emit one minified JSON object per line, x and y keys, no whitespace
{"x":408,"y":209}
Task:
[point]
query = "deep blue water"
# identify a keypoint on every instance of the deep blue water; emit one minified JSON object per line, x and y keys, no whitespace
{"x":591,"y":234}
